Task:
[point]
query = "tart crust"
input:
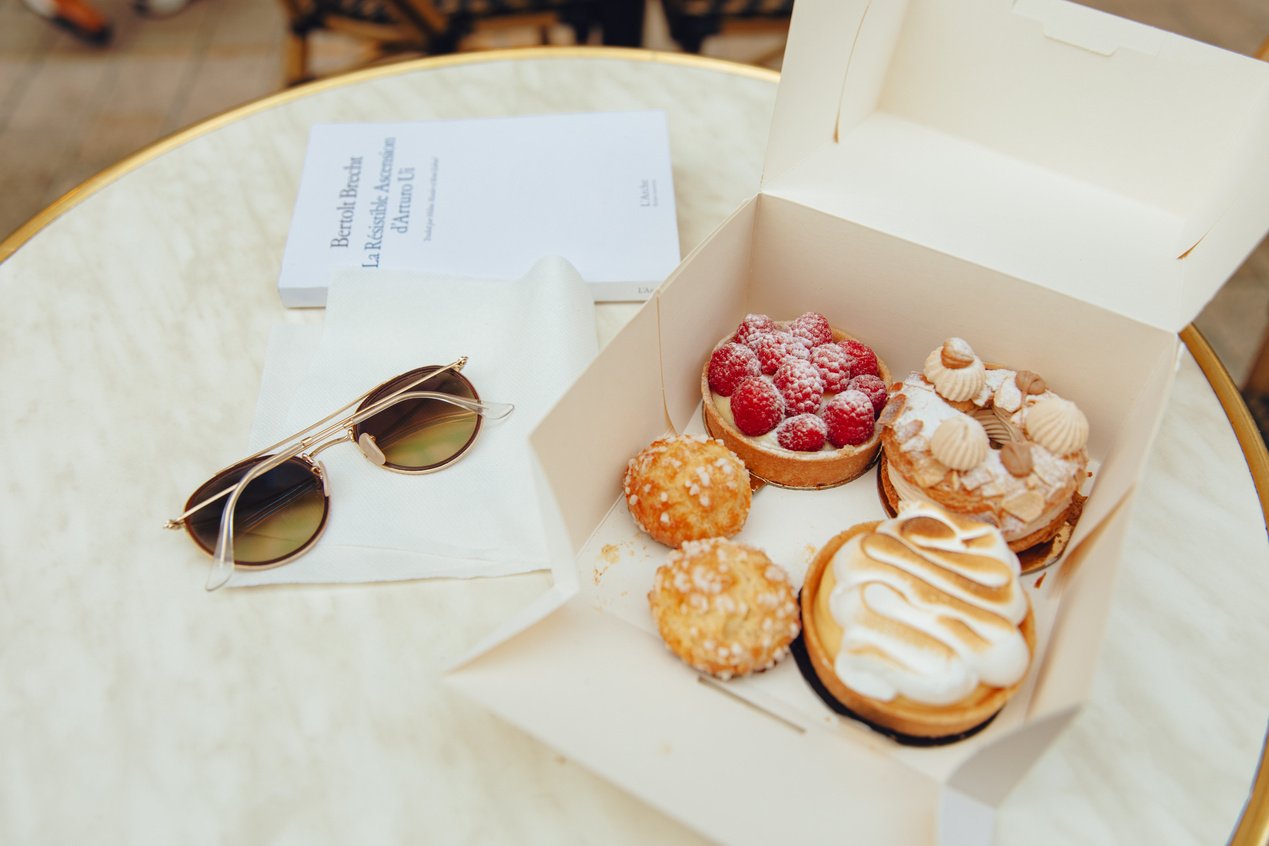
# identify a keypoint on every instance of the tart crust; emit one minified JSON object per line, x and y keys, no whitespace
{"x":787,"y":469}
{"x":901,"y":715}
{"x":1036,"y":550}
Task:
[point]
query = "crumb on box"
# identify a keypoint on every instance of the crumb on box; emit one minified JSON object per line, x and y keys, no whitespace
{"x":609,"y":553}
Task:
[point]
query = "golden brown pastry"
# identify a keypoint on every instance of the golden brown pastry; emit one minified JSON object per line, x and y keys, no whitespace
{"x":990,"y":442}
{"x":797,"y":401}
{"x":724,"y":608}
{"x":918,"y":624}
{"x":687,"y":487}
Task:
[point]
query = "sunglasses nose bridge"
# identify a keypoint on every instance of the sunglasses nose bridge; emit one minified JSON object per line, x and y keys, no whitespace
{"x":319,"y":470}
{"x":370,"y":448}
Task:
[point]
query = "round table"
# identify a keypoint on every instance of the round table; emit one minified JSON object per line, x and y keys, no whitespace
{"x":137,"y":708}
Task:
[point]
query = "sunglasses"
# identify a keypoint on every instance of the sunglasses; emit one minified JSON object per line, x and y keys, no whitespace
{"x":272,"y":506}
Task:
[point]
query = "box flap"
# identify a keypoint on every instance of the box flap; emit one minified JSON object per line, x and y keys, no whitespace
{"x":1048,"y":141}
{"x":581,"y":681}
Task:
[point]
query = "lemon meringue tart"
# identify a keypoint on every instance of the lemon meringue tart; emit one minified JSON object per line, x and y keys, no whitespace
{"x":917,"y":625}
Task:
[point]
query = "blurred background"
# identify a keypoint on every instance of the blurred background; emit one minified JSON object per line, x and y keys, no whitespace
{"x":69,"y":108}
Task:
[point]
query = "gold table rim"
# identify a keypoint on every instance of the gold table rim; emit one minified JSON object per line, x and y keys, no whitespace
{"x":1253,"y":824}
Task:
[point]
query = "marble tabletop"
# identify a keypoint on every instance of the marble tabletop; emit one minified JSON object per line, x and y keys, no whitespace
{"x":137,"y":708}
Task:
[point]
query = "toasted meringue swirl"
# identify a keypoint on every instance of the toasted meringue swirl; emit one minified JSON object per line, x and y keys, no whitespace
{"x":929,"y":605}
{"x":955,"y":384}
{"x":1057,"y":425}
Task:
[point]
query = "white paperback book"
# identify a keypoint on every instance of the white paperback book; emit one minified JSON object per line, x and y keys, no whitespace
{"x":487,"y":197}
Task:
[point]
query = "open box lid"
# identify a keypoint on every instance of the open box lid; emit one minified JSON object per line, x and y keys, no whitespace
{"x":1114,"y":162}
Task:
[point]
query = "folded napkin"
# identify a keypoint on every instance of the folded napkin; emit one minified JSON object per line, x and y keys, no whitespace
{"x":526,"y":341}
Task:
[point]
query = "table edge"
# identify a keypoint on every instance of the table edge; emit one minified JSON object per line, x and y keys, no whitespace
{"x":1253,"y":822}
{"x":92,"y":184}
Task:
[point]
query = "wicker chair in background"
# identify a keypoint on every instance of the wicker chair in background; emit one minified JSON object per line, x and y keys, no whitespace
{"x":389,"y":28}
{"x":693,"y":21}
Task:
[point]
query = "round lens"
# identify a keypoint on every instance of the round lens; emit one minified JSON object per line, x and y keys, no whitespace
{"x":417,"y":435}
{"x":279,"y":514}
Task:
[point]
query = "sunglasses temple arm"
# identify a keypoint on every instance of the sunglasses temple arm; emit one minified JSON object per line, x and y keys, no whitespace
{"x":491,"y":410}
{"x":222,"y":567}
{"x":348,"y":421}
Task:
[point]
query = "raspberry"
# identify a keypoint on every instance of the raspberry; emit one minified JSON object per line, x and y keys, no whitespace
{"x":812,"y":328}
{"x":774,"y":347}
{"x":753,"y":324}
{"x":865,"y":358}
{"x":728,"y":365}
{"x":802,"y":433}
{"x":756,"y":406}
{"x":835,"y":366}
{"x":849,"y":417}
{"x":800,"y":384}
{"x":873,"y":388}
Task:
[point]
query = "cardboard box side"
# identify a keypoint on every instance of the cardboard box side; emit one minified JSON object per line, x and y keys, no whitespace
{"x":1138,"y":416}
{"x":1005,"y":214}
{"x":1104,"y":100}
{"x":699,"y":305}
{"x":577,"y":439}
{"x":1042,"y":139}
{"x":991,"y":774}
{"x":1236,"y":230}
{"x":685,"y":760}
{"x":819,"y":50}
{"x":1086,"y":582}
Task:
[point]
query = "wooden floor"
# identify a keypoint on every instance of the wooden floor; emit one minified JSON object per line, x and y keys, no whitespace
{"x":69,"y":110}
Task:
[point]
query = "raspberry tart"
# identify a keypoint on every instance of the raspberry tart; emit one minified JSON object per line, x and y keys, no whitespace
{"x":917,"y":626}
{"x":988,"y":442}
{"x":797,"y":401}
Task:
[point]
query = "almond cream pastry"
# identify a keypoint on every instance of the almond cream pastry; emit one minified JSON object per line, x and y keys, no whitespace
{"x":918,"y":624}
{"x":797,"y":401}
{"x":989,"y":442}
{"x":724,"y":608}
{"x":687,"y":487}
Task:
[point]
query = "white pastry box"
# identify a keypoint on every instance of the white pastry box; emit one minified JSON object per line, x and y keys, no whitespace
{"x":1062,"y":188}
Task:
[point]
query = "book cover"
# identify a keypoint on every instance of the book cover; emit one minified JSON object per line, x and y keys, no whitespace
{"x":487,"y":197}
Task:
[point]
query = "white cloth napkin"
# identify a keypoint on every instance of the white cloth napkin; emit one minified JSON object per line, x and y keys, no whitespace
{"x":526,"y":340}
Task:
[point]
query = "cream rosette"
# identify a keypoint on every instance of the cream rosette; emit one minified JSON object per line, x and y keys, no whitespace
{"x":955,"y":371}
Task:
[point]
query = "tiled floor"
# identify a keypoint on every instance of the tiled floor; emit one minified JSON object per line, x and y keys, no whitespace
{"x":68,"y":110}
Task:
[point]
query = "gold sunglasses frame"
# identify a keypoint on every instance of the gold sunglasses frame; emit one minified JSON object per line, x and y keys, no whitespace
{"x":306,"y":444}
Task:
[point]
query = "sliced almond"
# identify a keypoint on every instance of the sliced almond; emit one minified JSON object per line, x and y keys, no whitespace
{"x":1016,"y":456}
{"x":894,"y":407}
{"x":1026,"y":506}
{"x":908,"y":429}
{"x":1030,"y":383}
{"x":928,"y":474}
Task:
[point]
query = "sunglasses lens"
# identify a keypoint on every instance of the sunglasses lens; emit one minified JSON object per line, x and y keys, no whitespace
{"x":279,"y":514}
{"x":422,"y":434}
